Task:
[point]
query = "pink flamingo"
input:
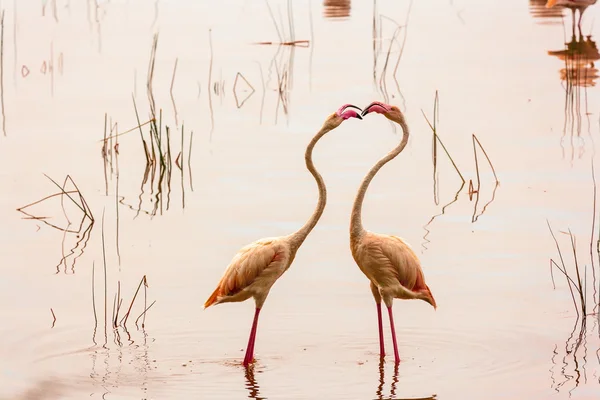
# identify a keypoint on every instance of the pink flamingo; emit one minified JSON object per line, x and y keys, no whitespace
{"x":257,"y":266}
{"x":388,"y":261}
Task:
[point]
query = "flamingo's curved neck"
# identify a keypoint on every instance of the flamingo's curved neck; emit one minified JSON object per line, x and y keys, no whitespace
{"x":299,"y":236}
{"x":356,"y":227}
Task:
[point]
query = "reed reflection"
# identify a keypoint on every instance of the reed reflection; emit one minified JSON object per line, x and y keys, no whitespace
{"x":78,"y":219}
{"x":336,"y":8}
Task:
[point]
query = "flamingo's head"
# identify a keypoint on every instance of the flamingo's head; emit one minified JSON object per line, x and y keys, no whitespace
{"x":342,"y":114}
{"x":390,"y":112}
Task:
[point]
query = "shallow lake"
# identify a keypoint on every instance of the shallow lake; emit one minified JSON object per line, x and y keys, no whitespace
{"x":105,"y":270}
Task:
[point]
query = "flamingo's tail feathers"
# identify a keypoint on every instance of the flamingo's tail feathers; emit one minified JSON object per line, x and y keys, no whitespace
{"x":432,"y":299}
{"x":213,"y":298}
{"x":550,"y":3}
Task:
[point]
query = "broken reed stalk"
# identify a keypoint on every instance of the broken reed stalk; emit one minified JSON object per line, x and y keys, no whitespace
{"x":124,"y":320}
{"x":486,"y":156}
{"x":143,"y":314}
{"x":117,"y":305}
{"x":94,"y":302}
{"x":53,"y":316}
{"x":141,"y":133}
{"x":105,"y":281}
{"x":171,"y":91}
{"x":181,"y":169}
{"x":563,"y":269}
{"x":150,"y":77}
{"x":82,"y":207}
{"x":2,"y":72}
{"x":596,"y":303}
{"x":582,"y":294}
{"x":189,"y":161}
{"x":104,"y":156}
{"x":444,"y":147}
{"x":127,"y":131}
{"x":212,"y":119}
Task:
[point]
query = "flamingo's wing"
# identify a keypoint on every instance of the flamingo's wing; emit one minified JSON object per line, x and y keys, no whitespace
{"x":250,"y":262}
{"x":396,"y":255}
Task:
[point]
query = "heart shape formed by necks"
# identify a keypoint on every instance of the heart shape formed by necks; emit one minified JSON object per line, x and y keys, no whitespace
{"x":346,"y":114}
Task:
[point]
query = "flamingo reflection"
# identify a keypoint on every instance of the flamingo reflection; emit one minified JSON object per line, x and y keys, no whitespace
{"x":252,"y":385}
{"x":579,"y":71}
{"x":573,"y":5}
{"x":379,"y":393}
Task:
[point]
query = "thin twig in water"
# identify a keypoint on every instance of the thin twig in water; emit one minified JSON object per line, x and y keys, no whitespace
{"x":181,"y":169}
{"x":104,"y":156}
{"x":124,"y":320}
{"x":563,"y":269}
{"x":141,"y":133}
{"x":2,"y":72}
{"x":143,"y":314}
{"x":189,"y":161}
{"x":171,"y":91}
{"x":237,"y":102}
{"x":478,"y":190}
{"x":212,"y":119}
{"x":94,"y":302}
{"x":444,"y":147}
{"x":596,"y":304}
{"x":54,"y":318}
{"x":105,"y":283}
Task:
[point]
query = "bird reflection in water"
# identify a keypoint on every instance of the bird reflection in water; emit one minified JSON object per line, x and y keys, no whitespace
{"x":545,"y":15}
{"x":336,"y":8}
{"x":573,"y":5}
{"x":252,"y":385}
{"x":579,"y":57}
{"x":379,"y":393}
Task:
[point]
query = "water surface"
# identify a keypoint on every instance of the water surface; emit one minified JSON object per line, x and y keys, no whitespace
{"x":512,"y":73}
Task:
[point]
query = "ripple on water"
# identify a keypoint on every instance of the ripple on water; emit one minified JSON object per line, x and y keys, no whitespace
{"x":478,"y":352}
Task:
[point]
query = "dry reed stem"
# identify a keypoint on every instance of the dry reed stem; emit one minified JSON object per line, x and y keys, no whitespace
{"x":105,"y":282}
{"x":171,"y":91}
{"x":443,"y":147}
{"x":2,"y":72}
{"x":94,"y":302}
{"x":141,"y":133}
{"x":563,"y":270}
{"x":124,"y":320}
{"x":143,"y":314}
{"x":212,"y":119}
{"x":189,"y":161}
{"x":128,"y":131}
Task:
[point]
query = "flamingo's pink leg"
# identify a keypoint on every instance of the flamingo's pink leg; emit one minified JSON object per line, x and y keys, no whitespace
{"x":396,"y":356}
{"x":379,"y":320}
{"x":251,"y":340}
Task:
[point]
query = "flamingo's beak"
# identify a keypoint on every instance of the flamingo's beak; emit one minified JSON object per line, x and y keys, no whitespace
{"x":345,"y":114}
{"x":376,"y":107}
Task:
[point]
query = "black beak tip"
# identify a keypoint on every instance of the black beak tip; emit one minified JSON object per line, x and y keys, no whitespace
{"x":359,"y":116}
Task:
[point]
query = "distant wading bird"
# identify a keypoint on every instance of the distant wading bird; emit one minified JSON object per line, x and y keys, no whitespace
{"x":257,"y":266}
{"x":573,"y":5}
{"x":390,"y":264}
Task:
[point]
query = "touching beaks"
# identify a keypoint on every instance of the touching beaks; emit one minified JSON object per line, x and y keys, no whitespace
{"x":345,"y":114}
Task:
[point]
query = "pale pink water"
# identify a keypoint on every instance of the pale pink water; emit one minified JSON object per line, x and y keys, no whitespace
{"x":500,"y":330}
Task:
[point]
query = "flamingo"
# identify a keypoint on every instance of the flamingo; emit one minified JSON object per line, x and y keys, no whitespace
{"x":573,"y":5}
{"x":255,"y":268}
{"x":388,"y":261}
